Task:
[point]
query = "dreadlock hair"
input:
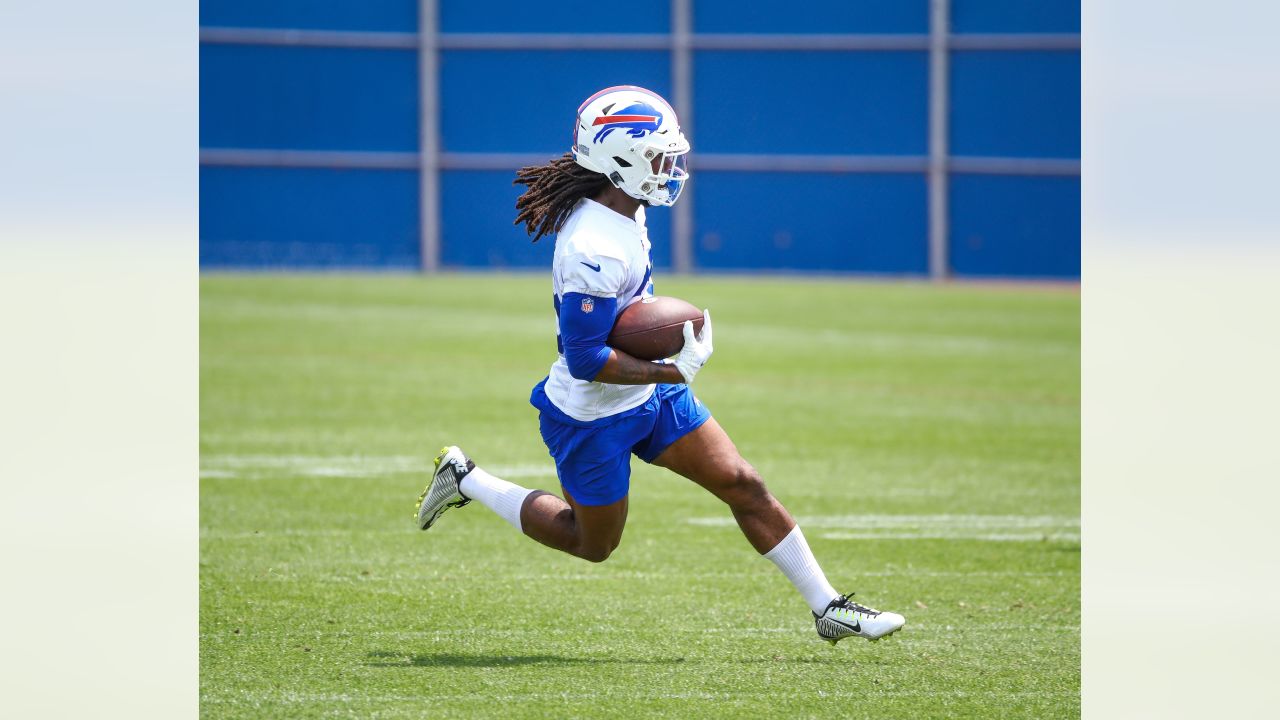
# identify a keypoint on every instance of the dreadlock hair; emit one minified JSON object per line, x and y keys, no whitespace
{"x":552,"y":192}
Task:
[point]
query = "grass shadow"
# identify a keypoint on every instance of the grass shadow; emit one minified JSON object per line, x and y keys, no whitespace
{"x":457,"y":660}
{"x":387,"y":659}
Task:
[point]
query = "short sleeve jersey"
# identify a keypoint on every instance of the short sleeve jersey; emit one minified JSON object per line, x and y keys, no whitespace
{"x":599,"y":254}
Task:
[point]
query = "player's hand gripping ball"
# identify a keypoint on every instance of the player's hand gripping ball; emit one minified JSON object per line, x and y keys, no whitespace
{"x":697,"y":350}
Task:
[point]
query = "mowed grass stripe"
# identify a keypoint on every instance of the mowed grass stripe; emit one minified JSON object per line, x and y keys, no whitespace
{"x":568,"y":695}
{"x":871,"y":408}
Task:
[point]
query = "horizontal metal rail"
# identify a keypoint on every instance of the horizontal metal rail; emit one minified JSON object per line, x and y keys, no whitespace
{"x":1014,"y":41}
{"x":308,"y":38}
{"x":1013,"y":166}
{"x":809,"y":163}
{"x":492,"y":161}
{"x":633,"y":41}
{"x":337,"y":159}
{"x":708,"y":41}
{"x":718,"y":162}
{"x":554,"y":41}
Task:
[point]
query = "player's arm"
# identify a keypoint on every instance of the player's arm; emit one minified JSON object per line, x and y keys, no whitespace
{"x":629,"y":370}
{"x":585,"y":322}
{"x":624,"y":369}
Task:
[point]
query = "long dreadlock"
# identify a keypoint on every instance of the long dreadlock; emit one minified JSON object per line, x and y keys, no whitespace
{"x":552,"y":191}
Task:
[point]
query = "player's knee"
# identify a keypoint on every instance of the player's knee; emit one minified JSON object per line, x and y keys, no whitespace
{"x":746,"y":486}
{"x":595,"y":553}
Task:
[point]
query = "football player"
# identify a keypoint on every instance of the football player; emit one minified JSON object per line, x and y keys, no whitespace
{"x":598,"y":405}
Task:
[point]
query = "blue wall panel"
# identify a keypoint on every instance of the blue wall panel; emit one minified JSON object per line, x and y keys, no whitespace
{"x":377,"y":15}
{"x":308,"y":218}
{"x":560,"y":16}
{"x":1021,"y":226}
{"x":830,"y":223}
{"x":1020,"y":104}
{"x":308,"y":98}
{"x":478,"y":209}
{"x":1015,"y":16}
{"x":1016,"y":104}
{"x":819,"y":103}
{"x":526,"y":101}
{"x":812,"y":16}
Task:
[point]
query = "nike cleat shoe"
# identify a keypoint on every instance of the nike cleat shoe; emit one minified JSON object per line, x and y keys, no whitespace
{"x":443,"y":492}
{"x":844,"y":618}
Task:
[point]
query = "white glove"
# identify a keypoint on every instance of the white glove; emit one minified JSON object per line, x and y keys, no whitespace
{"x":696,"y":351}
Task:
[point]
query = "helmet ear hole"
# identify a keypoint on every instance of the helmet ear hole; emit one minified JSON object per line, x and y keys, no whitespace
{"x":621,"y":162}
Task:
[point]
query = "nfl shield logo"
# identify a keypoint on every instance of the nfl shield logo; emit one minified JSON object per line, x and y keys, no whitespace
{"x":588,"y":305}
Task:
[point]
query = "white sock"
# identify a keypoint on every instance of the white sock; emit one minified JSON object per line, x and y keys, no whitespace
{"x":497,"y":494}
{"x":794,"y":558}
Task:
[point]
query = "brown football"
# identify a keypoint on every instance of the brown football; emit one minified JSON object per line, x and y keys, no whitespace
{"x":653,"y":328}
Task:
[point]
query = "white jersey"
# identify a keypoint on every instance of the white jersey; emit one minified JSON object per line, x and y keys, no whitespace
{"x":603,"y":254}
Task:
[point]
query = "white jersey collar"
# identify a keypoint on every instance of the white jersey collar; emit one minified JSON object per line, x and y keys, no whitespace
{"x":636,"y":223}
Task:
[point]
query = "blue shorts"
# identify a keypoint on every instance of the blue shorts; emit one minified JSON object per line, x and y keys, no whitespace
{"x":594,"y":462}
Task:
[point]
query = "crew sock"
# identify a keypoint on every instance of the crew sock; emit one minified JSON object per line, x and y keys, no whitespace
{"x":794,"y":558}
{"x":498,"y":495}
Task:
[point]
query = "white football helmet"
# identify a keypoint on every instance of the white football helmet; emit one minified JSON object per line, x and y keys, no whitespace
{"x":632,"y":136}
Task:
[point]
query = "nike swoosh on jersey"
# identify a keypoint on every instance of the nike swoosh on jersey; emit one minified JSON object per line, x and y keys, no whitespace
{"x":595,"y":267}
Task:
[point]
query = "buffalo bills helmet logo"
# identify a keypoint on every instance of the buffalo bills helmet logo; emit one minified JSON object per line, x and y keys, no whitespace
{"x":639,"y":120}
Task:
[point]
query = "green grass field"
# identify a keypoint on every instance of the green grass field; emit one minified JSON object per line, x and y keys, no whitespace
{"x":927,"y":438}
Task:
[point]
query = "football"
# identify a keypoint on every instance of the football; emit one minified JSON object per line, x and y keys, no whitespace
{"x":653,"y":328}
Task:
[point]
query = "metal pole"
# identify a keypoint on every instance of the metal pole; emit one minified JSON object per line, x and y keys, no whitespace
{"x":428,"y":135}
{"x":682,"y":85}
{"x":939,"y":113}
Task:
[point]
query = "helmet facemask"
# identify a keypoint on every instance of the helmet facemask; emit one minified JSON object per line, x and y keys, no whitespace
{"x":663,"y":184}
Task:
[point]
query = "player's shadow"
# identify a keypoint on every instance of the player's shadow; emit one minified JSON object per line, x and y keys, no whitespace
{"x":455,"y":660}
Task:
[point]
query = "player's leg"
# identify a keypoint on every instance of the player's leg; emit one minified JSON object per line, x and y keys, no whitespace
{"x":593,"y":463}
{"x":708,"y":456}
{"x":590,"y":532}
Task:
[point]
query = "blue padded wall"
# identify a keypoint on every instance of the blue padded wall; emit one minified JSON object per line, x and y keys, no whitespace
{"x":560,"y":16}
{"x":1015,"y":16}
{"x":811,"y":103}
{"x":827,"y":223}
{"x":366,"y":15}
{"x":526,"y":101}
{"x":1022,"y":104}
{"x":1015,"y":226}
{"x":308,"y":98}
{"x":308,"y":218}
{"x":1015,"y":104}
{"x":813,"y":16}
